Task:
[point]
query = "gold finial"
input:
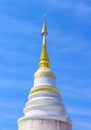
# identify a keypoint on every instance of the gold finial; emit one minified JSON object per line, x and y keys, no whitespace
{"x":44,"y":29}
{"x":44,"y":62}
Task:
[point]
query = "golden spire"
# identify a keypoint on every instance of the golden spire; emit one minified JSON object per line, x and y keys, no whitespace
{"x":44,"y":62}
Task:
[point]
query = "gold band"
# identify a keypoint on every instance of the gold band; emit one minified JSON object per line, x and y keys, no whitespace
{"x":38,"y":89}
{"x":44,"y":74}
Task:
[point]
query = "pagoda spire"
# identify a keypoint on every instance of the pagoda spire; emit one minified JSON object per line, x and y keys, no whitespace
{"x":44,"y":62}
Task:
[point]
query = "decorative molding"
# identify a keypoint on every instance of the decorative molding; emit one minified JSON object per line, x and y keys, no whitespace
{"x":44,"y":74}
{"x":38,"y":89}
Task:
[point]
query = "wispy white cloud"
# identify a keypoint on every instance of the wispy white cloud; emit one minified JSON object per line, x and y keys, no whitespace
{"x":18,"y":26}
{"x":88,"y":53}
{"x":16,"y":55}
{"x":10,"y":117}
{"x":82,"y":8}
{"x":11,"y":105}
{"x":14,"y":83}
{"x":13,"y":70}
{"x":83,"y":124}
{"x":73,"y":88}
{"x":59,"y":3}
{"x":78,"y":8}
{"x":79,"y":111}
{"x":67,"y":42}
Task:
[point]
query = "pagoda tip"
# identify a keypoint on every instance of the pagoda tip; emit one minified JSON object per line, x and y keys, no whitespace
{"x":44,"y":29}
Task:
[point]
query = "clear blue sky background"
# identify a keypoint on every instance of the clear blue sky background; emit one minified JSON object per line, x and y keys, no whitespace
{"x":69,"y":47}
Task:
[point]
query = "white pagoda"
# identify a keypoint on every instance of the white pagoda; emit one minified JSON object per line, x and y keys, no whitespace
{"x":44,"y":109}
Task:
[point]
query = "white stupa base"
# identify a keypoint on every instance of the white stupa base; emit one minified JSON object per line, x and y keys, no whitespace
{"x":43,"y":123}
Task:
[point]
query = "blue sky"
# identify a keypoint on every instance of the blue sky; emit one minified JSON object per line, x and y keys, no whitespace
{"x":69,"y":47}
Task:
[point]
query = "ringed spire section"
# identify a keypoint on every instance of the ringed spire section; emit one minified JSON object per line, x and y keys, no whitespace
{"x":44,"y":62}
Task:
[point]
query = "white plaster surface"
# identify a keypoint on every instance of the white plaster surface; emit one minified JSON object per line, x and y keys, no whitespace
{"x":44,"y":124}
{"x":44,"y":81}
{"x":45,"y":109}
{"x":41,"y":70}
